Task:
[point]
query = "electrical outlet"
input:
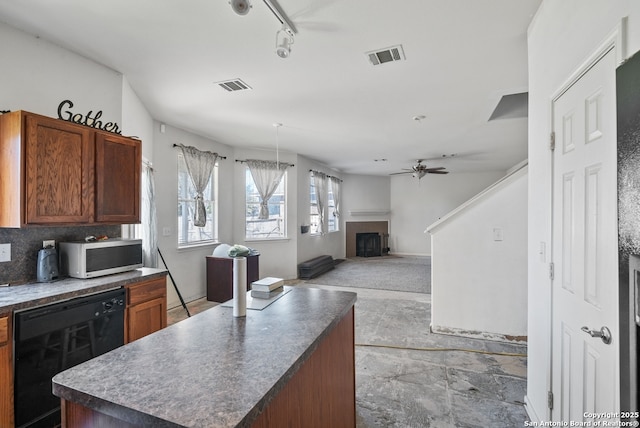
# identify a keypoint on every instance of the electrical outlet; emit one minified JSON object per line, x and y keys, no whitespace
{"x":49,"y":243}
{"x":5,"y":252}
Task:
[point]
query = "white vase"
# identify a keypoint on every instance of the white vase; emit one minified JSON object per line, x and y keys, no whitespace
{"x":239,"y":286}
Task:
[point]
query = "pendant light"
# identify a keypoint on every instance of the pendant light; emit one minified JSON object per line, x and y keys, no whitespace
{"x":277,"y":126}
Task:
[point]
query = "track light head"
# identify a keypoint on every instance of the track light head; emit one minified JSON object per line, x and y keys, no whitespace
{"x":284,"y":40}
{"x":241,"y":7}
{"x":283,"y":50}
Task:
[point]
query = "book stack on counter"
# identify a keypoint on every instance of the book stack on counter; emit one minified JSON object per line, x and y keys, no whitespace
{"x":266,"y":288}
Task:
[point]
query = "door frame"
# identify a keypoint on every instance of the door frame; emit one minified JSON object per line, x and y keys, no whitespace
{"x":616,"y":40}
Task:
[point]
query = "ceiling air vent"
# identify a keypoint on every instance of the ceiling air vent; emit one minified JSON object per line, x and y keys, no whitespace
{"x":233,"y":85}
{"x":394,"y":53}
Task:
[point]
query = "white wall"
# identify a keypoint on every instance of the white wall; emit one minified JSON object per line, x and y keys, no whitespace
{"x":369,"y":195}
{"x":479,"y":284}
{"x":418,"y":203}
{"x":562,"y":36}
{"x":187,"y":266}
{"x":37,"y":76}
{"x":136,"y":120}
{"x":310,"y":246}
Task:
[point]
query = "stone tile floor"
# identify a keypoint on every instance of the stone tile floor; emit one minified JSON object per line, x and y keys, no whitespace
{"x":409,"y":377}
{"x":417,"y":382}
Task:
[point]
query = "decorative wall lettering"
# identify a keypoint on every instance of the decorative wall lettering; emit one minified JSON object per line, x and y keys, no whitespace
{"x":89,"y":119}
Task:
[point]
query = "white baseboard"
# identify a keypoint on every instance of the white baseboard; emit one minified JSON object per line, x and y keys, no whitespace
{"x":394,"y":253}
{"x":497,"y":337}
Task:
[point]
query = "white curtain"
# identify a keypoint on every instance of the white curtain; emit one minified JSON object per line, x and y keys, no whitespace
{"x":149,"y":232}
{"x":335,"y":188}
{"x":199,"y":166}
{"x":267,"y":176}
{"x":320,"y":181}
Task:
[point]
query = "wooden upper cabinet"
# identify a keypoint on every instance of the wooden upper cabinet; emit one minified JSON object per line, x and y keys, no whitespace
{"x":118,"y":163}
{"x":58,"y":172}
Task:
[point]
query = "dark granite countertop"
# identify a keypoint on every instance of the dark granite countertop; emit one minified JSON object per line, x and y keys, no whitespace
{"x":210,"y":370}
{"x":39,"y":293}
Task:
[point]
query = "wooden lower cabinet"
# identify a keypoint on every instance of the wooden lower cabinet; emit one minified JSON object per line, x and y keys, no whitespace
{"x":6,"y":372}
{"x":323,"y":392}
{"x":146,"y":310}
{"x":146,"y":313}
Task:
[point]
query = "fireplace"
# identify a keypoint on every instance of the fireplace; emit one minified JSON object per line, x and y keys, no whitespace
{"x":353,"y":228}
{"x":368,"y":244}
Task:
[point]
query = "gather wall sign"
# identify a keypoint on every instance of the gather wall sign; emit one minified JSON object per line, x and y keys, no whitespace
{"x":89,"y":119}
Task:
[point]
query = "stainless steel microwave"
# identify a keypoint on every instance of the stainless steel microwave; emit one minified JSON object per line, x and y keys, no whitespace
{"x":91,"y":259}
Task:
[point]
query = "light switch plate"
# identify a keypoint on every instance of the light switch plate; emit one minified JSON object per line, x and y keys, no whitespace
{"x":5,"y":252}
{"x":497,"y":234}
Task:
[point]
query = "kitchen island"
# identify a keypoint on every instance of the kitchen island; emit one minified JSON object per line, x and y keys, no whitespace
{"x":290,"y":364}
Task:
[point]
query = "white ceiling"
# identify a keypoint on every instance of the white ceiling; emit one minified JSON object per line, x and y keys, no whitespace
{"x":334,"y":106}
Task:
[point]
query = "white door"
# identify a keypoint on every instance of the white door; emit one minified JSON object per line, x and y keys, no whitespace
{"x":585,"y":372}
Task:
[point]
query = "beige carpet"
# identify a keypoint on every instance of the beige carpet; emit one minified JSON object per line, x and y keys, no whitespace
{"x":412,"y":274}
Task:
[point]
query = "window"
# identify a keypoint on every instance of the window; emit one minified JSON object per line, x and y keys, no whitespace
{"x":188,"y":234}
{"x":332,"y":218}
{"x":273,"y":227}
{"x":322,"y":193}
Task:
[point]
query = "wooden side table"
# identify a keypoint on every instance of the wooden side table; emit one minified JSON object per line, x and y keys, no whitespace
{"x":220,"y":276}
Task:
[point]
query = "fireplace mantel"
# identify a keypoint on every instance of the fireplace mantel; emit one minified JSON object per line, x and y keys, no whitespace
{"x":368,"y":212}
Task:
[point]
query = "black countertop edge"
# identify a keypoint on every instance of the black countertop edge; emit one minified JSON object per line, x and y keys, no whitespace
{"x":28,"y":296}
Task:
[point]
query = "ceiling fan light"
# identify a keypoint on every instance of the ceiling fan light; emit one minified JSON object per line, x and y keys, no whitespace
{"x":241,"y":7}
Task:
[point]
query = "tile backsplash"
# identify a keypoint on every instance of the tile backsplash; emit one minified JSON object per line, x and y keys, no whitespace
{"x":26,"y":242}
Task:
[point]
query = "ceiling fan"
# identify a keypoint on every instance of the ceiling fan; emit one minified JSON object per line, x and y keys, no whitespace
{"x":419,"y":170}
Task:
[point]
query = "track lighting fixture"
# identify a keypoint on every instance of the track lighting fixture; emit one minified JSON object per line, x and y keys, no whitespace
{"x":284,"y":37}
{"x":241,"y":7}
{"x":284,"y":40}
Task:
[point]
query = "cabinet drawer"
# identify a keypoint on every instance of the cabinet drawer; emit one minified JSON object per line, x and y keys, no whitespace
{"x":4,"y":330}
{"x":147,"y":290}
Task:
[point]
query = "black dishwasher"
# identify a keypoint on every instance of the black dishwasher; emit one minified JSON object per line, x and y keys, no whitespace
{"x":53,"y":338}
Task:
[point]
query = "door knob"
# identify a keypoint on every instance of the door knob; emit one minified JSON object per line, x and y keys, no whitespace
{"x":604,"y":333}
